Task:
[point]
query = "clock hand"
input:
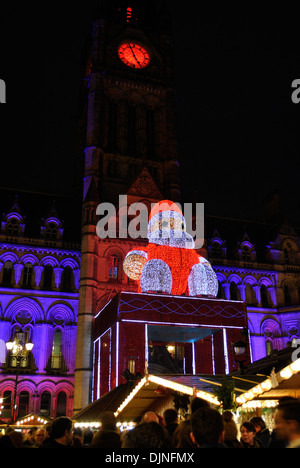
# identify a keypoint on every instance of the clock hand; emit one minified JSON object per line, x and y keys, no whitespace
{"x":134,"y":55}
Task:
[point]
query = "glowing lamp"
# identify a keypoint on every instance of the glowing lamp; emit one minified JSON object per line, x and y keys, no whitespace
{"x":29,"y":346}
{"x":286,"y":373}
{"x":295,"y":366}
{"x":266,"y":385}
{"x":239,"y":347}
{"x":10,"y":345}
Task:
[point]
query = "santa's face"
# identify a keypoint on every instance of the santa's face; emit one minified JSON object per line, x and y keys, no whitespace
{"x":169,"y":228}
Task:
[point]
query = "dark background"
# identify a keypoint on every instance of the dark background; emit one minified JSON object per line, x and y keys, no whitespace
{"x":238,"y":129}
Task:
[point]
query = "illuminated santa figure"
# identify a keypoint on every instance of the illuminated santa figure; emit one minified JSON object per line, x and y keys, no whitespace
{"x":169,"y":263}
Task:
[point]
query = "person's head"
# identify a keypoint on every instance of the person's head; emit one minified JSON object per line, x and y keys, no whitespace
{"x":287,"y":419}
{"x":61,"y":430}
{"x":16,"y":438}
{"x":258,"y":423}
{"x":150,"y":416}
{"x":146,"y":435}
{"x":106,"y":439}
{"x":199,"y":403}
{"x":77,"y":432}
{"x":207,"y":426}
{"x":40,"y":436}
{"x":87,"y":436}
{"x":182,"y":435}
{"x":230,"y":428}
{"x":170,"y":416}
{"x":109,"y":421}
{"x":77,"y":441}
{"x":248,"y":432}
{"x":30,"y":436}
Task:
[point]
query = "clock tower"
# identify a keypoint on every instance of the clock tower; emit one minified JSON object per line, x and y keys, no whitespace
{"x":129,"y":149}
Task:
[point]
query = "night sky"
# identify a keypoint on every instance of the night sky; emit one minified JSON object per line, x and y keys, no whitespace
{"x":238,"y":129}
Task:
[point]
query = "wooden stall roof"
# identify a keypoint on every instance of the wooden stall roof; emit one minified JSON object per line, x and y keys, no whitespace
{"x":27,"y":422}
{"x":281,"y":373}
{"x":108,"y":402}
{"x":130,"y":401}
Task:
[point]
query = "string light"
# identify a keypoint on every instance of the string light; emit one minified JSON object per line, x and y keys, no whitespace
{"x":183,"y":389}
{"x":85,"y":425}
{"x":167,"y":384}
{"x":31,"y":418}
{"x":131,"y":395}
{"x":260,"y":404}
{"x":266,"y":385}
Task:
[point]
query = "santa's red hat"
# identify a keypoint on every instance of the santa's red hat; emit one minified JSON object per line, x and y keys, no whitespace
{"x":164,"y":205}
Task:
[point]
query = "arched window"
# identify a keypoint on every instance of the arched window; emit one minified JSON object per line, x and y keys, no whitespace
{"x":221,"y":293}
{"x":7,"y":273}
{"x":12,"y":228}
{"x":27,"y":275}
{"x":264,"y":294}
{"x":289,"y":254}
{"x":234,"y":292}
{"x":113,"y":268}
{"x":48,"y":273}
{"x":269,"y":347}
{"x":7,"y":405}
{"x":23,"y":408}
{"x":250,"y":295}
{"x":67,"y":277}
{"x":61,"y":408}
{"x":56,"y":350}
{"x":45,"y":403}
{"x":51,"y":231}
{"x":246,"y":254}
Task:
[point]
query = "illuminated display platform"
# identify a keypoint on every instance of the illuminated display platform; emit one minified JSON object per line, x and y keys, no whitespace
{"x":178,"y":334}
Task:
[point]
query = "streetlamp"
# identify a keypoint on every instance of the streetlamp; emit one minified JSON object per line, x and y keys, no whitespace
{"x":239,"y":347}
{"x":239,"y":350}
{"x":20,"y":353}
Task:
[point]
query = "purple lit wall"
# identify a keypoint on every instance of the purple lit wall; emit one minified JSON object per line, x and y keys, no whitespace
{"x":39,"y":283}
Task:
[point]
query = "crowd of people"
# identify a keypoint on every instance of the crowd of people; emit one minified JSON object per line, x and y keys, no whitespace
{"x":204,"y":427}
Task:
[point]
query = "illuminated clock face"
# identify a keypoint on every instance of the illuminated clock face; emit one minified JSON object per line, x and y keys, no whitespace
{"x":134,"y":55}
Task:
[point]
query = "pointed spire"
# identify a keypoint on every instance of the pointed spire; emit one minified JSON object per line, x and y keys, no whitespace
{"x":14,"y":219}
{"x":15,"y":210}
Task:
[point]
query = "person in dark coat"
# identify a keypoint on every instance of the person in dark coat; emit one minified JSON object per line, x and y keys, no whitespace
{"x":170,"y":417}
{"x":13,"y":439}
{"x":248,"y":439}
{"x":262,"y":432}
{"x":230,"y":430}
{"x":108,"y":436}
{"x":106,"y":439}
{"x":147,"y":435}
{"x":61,"y":434}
